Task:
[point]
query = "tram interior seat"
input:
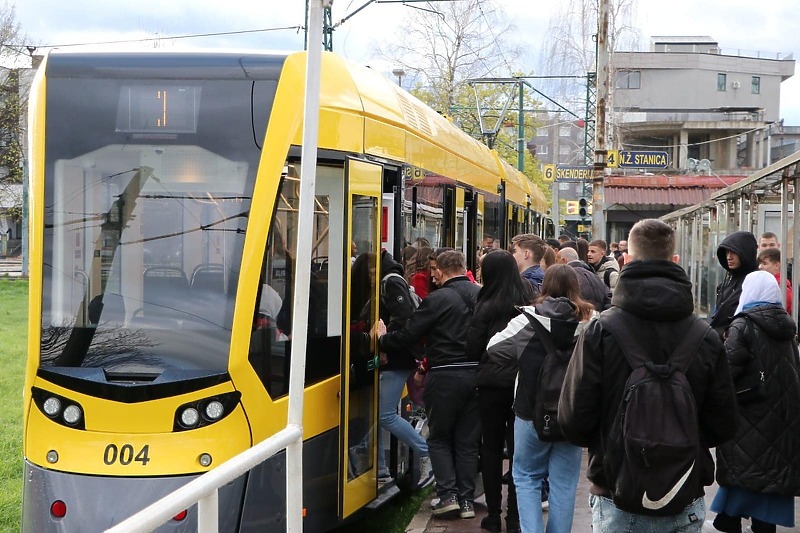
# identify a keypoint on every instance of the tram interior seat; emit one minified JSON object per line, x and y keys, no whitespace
{"x":165,"y":289}
{"x":208,"y":277}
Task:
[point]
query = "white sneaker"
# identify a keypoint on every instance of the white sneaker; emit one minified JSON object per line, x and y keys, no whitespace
{"x":425,"y":473}
{"x":546,"y":505}
{"x":708,"y":527}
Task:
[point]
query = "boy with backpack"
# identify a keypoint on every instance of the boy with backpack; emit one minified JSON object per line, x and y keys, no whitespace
{"x":648,"y":391}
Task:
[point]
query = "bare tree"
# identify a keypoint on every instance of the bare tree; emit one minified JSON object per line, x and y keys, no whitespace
{"x":569,"y":46}
{"x":446,"y":43}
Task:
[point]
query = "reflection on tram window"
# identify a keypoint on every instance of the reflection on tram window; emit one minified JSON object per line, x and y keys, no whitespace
{"x":270,"y":345}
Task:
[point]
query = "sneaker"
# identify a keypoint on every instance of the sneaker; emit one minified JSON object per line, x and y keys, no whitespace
{"x":447,"y":505}
{"x":492,"y":523}
{"x":425,"y":473}
{"x":467,"y":510}
{"x":545,"y":505}
{"x":384,"y":479}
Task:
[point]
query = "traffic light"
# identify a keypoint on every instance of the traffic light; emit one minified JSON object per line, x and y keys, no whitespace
{"x":582,"y":205}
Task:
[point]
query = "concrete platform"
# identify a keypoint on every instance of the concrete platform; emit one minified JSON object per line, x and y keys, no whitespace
{"x":425,"y":522}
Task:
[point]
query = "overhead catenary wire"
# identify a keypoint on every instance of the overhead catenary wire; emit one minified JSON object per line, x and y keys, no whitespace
{"x":158,"y":38}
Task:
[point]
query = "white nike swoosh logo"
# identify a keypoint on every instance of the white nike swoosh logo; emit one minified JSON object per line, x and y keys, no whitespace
{"x":647,"y":503}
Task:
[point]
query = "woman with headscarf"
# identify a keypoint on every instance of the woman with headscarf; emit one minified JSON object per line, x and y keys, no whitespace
{"x":759,"y":470}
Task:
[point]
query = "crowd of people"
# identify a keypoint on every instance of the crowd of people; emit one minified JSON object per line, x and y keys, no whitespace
{"x":596,"y":323}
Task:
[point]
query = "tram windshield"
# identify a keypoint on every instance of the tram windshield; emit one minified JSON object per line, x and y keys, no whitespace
{"x":145,"y":210}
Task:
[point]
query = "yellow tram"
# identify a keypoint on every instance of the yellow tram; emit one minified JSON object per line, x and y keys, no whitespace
{"x":163,"y":216}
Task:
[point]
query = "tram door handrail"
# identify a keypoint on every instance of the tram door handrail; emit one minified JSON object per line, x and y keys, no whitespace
{"x":204,"y":489}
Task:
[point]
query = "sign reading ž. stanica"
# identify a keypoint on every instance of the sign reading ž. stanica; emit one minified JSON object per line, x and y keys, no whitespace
{"x":637,"y":159}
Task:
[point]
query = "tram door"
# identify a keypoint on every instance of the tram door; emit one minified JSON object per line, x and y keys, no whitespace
{"x":360,"y":365}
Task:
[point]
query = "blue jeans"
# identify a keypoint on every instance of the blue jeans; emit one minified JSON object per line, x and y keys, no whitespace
{"x":391,"y":388}
{"x":534,"y":460}
{"x":608,"y":518}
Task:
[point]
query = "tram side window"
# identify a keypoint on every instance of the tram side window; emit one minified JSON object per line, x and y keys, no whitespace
{"x":270,"y":346}
{"x":494,"y":217}
{"x":423,"y":211}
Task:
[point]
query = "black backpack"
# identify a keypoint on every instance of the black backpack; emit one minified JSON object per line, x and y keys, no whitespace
{"x":649,"y":457}
{"x":550,"y":383}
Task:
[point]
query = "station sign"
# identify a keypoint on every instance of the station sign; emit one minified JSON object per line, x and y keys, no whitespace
{"x":637,"y":159}
{"x":573,"y":173}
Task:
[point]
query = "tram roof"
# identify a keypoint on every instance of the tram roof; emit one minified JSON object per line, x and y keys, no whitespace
{"x":386,"y":102}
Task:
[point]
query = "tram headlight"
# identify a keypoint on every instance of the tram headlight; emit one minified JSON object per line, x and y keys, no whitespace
{"x":190,"y":417}
{"x":214,"y":410}
{"x":204,"y":459}
{"x":52,"y":406}
{"x":52,"y":457}
{"x":202,"y":412}
{"x":72,"y":414}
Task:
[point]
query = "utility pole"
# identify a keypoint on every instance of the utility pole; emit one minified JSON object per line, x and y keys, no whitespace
{"x":598,"y":171}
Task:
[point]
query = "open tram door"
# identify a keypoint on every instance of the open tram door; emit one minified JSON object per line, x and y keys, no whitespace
{"x":359,"y":397}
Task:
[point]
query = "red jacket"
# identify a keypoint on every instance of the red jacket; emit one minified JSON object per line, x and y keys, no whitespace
{"x":788,"y":292}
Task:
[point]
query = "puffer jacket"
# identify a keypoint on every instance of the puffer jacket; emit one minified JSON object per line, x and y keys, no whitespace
{"x":608,"y":264}
{"x":764,"y":456}
{"x":518,"y":341}
{"x":743,"y":244}
{"x":655,"y":296}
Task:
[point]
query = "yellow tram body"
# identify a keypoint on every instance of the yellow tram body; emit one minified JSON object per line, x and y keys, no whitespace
{"x":120,"y":216}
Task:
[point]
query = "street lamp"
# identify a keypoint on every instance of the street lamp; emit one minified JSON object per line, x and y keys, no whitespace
{"x":399,"y":72}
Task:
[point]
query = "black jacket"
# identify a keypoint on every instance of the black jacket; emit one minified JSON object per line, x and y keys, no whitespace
{"x":559,"y":320}
{"x":492,"y":372}
{"x":764,"y":456}
{"x":655,"y":295}
{"x":744,"y":244}
{"x":593,"y":290}
{"x":395,"y":309}
{"x":442,"y":319}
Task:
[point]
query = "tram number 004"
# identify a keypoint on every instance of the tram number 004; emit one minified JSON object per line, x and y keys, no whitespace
{"x":126,"y":454}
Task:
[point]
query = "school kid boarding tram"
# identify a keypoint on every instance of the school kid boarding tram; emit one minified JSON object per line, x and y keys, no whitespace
{"x":163,"y":208}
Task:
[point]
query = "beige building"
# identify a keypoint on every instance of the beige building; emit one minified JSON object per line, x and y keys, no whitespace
{"x":696,"y":101}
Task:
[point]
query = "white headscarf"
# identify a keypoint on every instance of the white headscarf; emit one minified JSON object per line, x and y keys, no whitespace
{"x":759,"y":286}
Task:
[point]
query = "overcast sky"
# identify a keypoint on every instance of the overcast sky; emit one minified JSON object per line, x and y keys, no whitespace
{"x":736,"y":24}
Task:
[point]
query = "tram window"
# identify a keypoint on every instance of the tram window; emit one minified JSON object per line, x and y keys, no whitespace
{"x":429,"y":208}
{"x":270,"y":346}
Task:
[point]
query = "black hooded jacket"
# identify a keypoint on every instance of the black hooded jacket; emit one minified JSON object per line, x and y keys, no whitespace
{"x":396,"y":307}
{"x":743,"y":244}
{"x":764,"y":457}
{"x":654,"y":296}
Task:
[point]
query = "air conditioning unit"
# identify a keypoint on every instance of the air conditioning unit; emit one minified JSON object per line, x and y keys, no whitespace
{"x":736,"y":84}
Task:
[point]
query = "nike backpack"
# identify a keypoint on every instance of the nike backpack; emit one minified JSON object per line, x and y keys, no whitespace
{"x":649,"y":457}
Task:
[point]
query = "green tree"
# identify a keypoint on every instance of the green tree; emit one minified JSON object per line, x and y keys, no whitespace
{"x":13,"y":96}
